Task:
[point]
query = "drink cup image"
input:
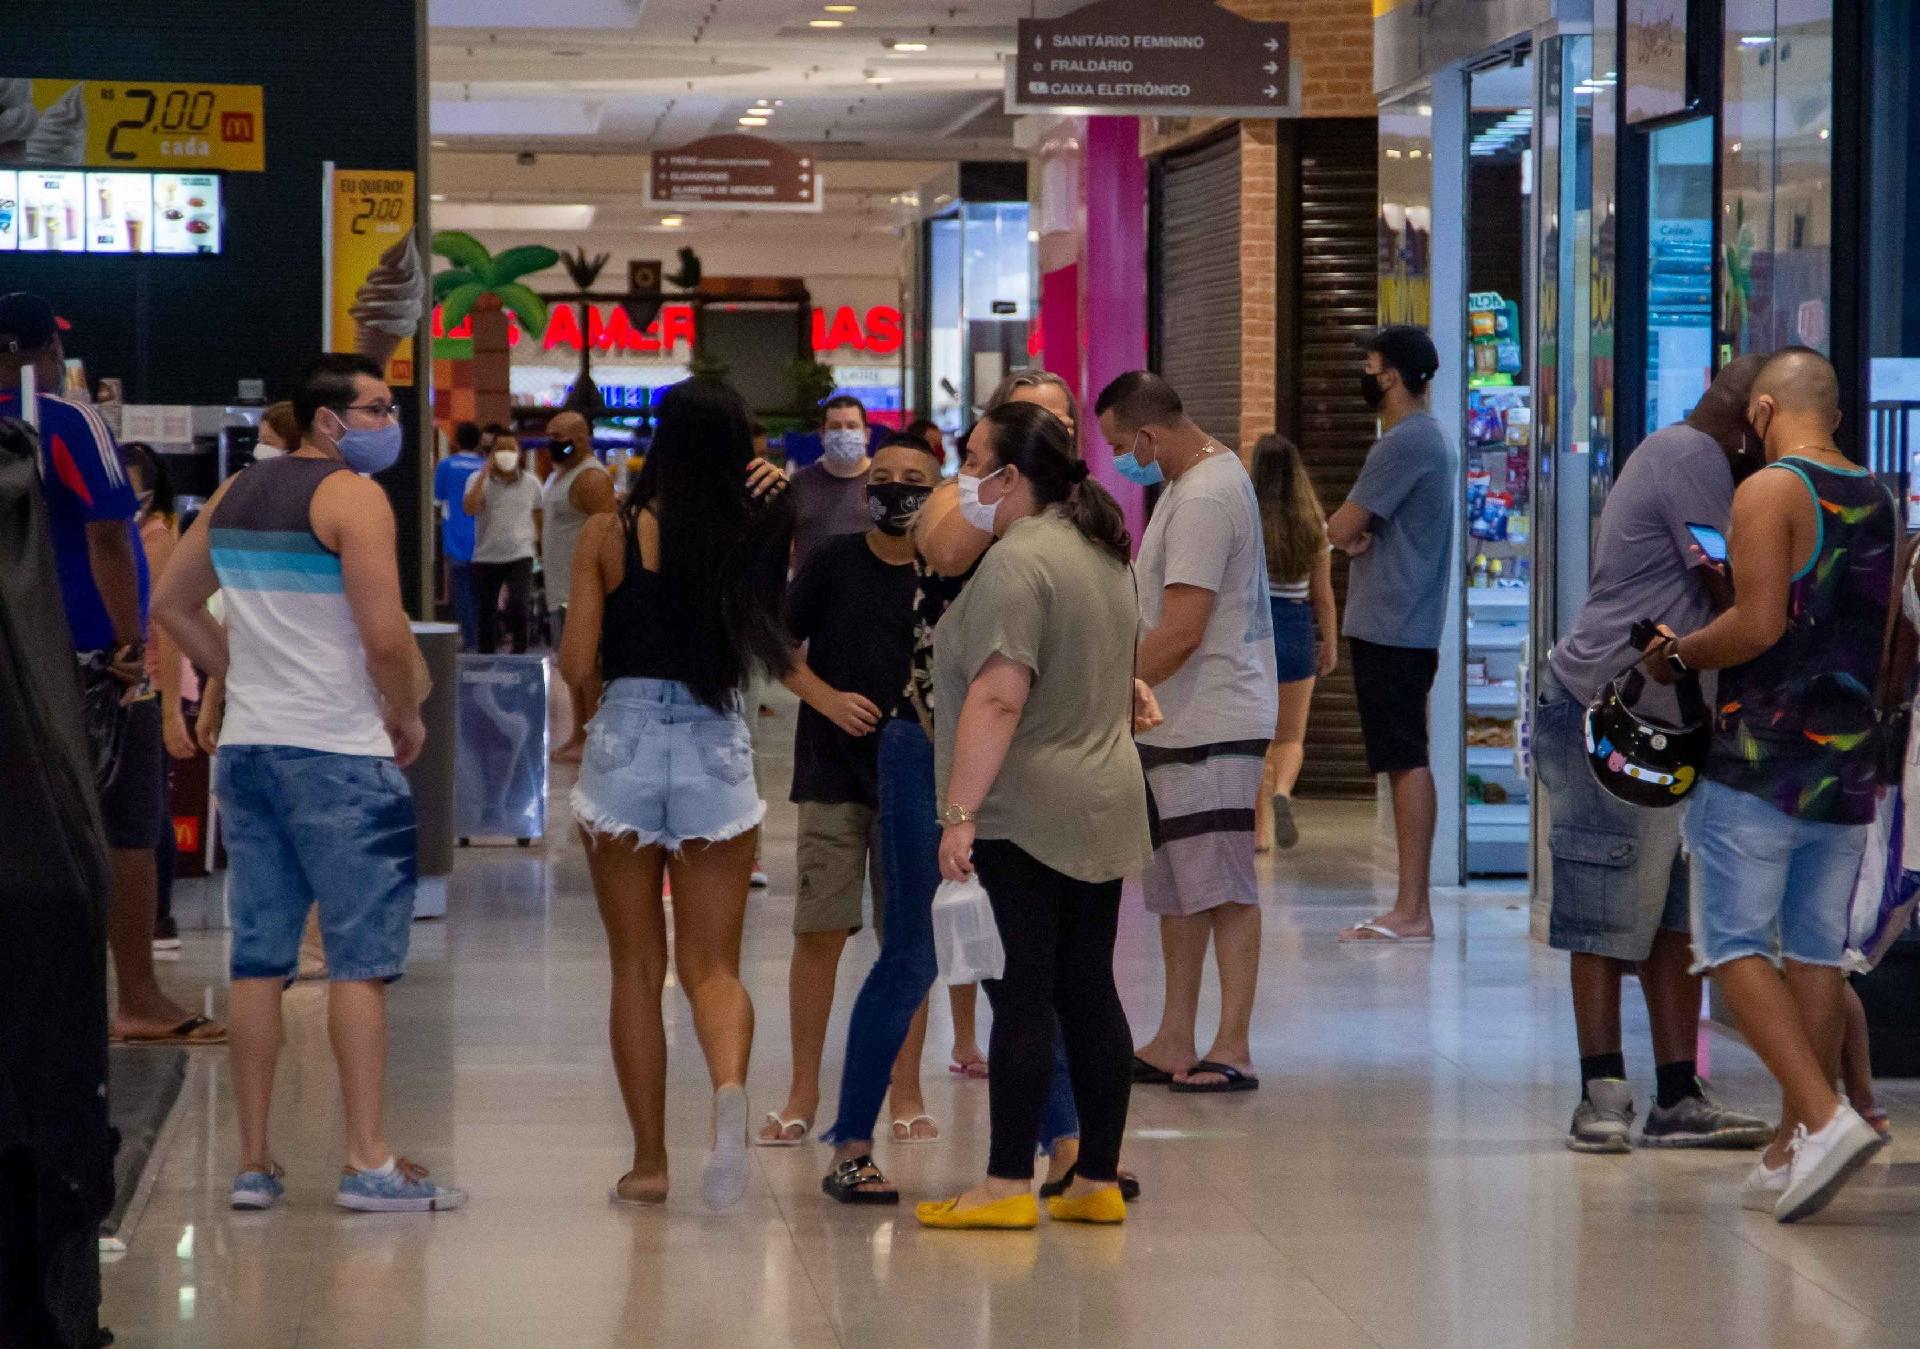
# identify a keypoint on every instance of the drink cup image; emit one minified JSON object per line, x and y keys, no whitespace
{"x":31,"y":227}
{"x":136,"y":234}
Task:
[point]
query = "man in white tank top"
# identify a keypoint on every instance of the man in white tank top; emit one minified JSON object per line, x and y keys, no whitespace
{"x":324,"y":684}
{"x":580,"y":487}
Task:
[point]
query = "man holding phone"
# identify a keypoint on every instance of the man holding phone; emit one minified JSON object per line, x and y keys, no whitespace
{"x":1620,"y":896}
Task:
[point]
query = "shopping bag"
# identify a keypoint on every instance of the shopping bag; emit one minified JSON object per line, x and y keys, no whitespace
{"x":1885,"y":892}
{"x":966,"y":940}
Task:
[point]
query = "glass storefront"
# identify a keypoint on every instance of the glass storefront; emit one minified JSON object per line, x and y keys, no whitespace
{"x":978,"y":305}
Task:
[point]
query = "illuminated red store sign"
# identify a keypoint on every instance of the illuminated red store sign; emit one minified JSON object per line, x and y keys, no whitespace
{"x":878,"y":332}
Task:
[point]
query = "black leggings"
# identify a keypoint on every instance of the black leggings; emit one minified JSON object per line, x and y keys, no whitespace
{"x":488,"y":578}
{"x":1059,"y":937}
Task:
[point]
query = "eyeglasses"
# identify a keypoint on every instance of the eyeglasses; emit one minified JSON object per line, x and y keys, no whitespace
{"x":380,"y":410}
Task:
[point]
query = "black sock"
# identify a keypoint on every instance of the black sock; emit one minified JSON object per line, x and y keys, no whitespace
{"x":1677,"y":1081}
{"x":1593,"y":1066}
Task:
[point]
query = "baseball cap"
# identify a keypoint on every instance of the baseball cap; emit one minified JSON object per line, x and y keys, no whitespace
{"x":27,"y":322}
{"x":1406,"y":348}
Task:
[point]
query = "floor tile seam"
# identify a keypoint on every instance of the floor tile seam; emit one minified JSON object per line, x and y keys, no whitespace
{"x":1738,"y":1231}
{"x":799,"y":1255}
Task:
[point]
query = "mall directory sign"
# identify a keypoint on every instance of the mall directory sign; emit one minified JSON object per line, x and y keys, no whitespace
{"x":734,"y":173}
{"x":73,"y":211}
{"x":132,"y":124}
{"x":1151,"y":58}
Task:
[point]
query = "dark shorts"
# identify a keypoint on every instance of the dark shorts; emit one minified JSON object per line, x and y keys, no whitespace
{"x":1391,"y":684}
{"x":131,"y":804}
{"x":1295,"y":654}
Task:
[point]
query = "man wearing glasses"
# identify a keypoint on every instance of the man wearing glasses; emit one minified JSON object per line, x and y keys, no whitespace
{"x":323,"y":685}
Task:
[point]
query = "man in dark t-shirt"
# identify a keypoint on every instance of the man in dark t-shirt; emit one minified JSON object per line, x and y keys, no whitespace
{"x":852,"y":606}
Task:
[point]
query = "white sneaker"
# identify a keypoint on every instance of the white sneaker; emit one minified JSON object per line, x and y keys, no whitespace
{"x":1764,"y":1186}
{"x":724,"y":1177}
{"x":1823,"y":1162}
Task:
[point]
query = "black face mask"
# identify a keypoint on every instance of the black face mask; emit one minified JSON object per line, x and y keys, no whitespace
{"x":1372,"y":393}
{"x":892,"y":505}
{"x":560,"y":449}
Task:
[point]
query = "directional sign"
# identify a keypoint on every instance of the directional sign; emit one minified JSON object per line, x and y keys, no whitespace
{"x":1152,"y":57}
{"x":734,"y":173}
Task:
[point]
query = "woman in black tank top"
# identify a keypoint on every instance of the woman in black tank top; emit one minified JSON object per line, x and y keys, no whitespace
{"x":672,"y":604}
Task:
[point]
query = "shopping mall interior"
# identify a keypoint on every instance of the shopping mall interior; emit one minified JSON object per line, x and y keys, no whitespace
{"x":534,"y":224}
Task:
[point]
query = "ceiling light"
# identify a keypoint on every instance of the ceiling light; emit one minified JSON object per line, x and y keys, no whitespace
{"x":1033,"y":236}
{"x":438,"y":145}
{"x":825,"y":23}
{"x":841,"y":9}
{"x":909,"y":46}
{"x":672,"y":222}
{"x":437,"y":196}
{"x":1824,"y":133}
{"x":753,"y":121}
{"x":1425,"y":110}
{"x":879,"y":79}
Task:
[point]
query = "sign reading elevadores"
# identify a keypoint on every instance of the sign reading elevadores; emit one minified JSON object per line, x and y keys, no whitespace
{"x":734,"y":173}
{"x":1151,"y":57}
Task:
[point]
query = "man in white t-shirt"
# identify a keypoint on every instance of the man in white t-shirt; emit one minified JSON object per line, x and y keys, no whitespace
{"x":1206,"y":648}
{"x":504,"y":500}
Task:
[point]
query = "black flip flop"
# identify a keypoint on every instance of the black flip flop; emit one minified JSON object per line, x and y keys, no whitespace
{"x":843,"y":1183}
{"x":1236,"y":1080}
{"x":1146,"y":1075}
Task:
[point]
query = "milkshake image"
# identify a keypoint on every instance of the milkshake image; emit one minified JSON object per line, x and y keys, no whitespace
{"x":386,"y":309}
{"x":30,"y":222}
{"x":136,"y":233}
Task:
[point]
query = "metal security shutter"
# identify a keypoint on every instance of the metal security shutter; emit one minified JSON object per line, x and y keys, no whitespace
{"x":1328,"y":182}
{"x":1196,"y":246}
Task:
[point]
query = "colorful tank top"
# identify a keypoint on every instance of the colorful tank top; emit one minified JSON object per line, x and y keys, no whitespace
{"x":1794,"y":725}
{"x":933,"y":595}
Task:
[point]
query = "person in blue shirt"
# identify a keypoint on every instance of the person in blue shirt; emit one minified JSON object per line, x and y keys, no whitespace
{"x":91,"y":506}
{"x":456,"y":527}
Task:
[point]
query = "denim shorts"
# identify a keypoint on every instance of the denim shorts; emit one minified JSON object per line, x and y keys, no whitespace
{"x":304,"y":826}
{"x":1618,"y":877}
{"x":1296,"y":654}
{"x":1768,"y":884}
{"x":663,"y":768}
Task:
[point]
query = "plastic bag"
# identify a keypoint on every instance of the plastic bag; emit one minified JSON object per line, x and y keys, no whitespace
{"x":966,"y":940}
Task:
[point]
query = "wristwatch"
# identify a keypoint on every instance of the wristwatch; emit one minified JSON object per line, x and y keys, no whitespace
{"x":1674,"y":663}
{"x":951,"y":814}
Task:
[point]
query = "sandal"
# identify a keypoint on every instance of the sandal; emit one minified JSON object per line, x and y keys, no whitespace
{"x":1129,"y":1184}
{"x":195,"y":1030}
{"x":903,"y":1130}
{"x":780,"y":1127}
{"x":1146,"y":1075}
{"x":843,"y":1183}
{"x":1236,"y":1080}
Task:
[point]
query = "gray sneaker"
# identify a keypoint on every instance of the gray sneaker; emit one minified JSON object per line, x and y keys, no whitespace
{"x":1603,"y":1121}
{"x":1702,"y":1122}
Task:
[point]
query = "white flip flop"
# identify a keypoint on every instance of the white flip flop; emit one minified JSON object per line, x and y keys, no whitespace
{"x":907,"y":1126}
{"x":781,"y":1126}
{"x":1382,"y":935}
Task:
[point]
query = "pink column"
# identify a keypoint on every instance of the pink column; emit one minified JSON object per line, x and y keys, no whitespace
{"x":1112,"y":324}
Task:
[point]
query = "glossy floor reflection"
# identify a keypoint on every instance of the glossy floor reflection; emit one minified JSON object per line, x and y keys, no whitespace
{"x":1399,"y":1180}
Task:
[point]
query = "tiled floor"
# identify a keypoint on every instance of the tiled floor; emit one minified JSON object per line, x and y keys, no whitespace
{"x":1399,"y":1180}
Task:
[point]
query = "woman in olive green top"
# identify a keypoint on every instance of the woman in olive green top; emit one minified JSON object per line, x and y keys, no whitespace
{"x":1042,"y":792}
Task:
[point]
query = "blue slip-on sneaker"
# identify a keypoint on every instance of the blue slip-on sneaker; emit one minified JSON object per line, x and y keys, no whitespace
{"x":405,"y":1189}
{"x":257,"y":1190}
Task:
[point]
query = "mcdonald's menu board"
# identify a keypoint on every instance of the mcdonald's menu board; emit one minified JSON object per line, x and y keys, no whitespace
{"x":131,"y":124}
{"x":71,"y":211}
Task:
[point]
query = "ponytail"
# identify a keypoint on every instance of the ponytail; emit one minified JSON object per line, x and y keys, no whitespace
{"x":1093,"y":511}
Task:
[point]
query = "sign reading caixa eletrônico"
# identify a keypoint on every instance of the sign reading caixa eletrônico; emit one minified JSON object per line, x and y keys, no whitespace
{"x":734,"y":173}
{"x":1151,"y":58}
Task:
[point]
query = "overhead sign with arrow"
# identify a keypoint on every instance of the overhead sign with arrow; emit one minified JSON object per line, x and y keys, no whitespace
{"x":734,"y":173}
{"x":1152,"y":58}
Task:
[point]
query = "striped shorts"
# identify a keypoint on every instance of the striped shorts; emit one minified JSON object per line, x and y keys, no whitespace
{"x":1200,"y":802}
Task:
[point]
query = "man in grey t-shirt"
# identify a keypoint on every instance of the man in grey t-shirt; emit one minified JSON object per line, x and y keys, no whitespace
{"x":1619,"y":885}
{"x":1206,"y":648}
{"x":1397,"y":525}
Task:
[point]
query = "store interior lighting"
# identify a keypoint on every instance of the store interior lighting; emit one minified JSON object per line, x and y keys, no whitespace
{"x":1515,"y":129}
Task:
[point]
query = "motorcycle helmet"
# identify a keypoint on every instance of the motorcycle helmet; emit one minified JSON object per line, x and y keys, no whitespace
{"x":1641,"y":761}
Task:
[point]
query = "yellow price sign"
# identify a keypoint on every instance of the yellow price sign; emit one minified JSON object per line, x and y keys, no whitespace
{"x":145,"y":124}
{"x":376,"y":284}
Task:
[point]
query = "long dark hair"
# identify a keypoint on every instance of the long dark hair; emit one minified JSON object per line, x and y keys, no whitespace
{"x":154,"y":477}
{"x":1036,"y":442}
{"x":1291,"y":517}
{"x":722,"y":553}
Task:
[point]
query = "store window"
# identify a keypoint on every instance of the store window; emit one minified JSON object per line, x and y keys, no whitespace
{"x":1891,"y":238}
{"x":1679,"y":270}
{"x":1406,"y":211}
{"x":1776,"y":196}
{"x":979,"y":308}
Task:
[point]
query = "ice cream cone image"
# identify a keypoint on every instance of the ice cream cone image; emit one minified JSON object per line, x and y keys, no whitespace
{"x":59,"y":136}
{"x":386,"y":309}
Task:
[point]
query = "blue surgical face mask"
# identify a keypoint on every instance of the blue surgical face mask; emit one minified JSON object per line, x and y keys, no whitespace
{"x":370,"y":451}
{"x":1128,"y":466}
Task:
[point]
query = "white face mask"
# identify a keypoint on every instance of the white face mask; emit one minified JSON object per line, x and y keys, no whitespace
{"x":262,"y":450}
{"x":973,"y":510}
{"x":844,"y":448}
{"x":506,"y":460}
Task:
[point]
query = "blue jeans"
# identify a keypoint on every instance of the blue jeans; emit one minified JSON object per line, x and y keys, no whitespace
{"x":902,"y":976}
{"x":466,"y":608}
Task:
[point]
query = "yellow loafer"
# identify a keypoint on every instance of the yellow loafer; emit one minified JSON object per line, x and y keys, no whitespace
{"x":1102,"y":1206}
{"x":1013,"y":1214}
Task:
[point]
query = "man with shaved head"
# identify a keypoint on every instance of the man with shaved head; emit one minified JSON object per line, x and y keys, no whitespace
{"x":580,"y":487}
{"x":1777,"y":828}
{"x":1619,"y":884}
